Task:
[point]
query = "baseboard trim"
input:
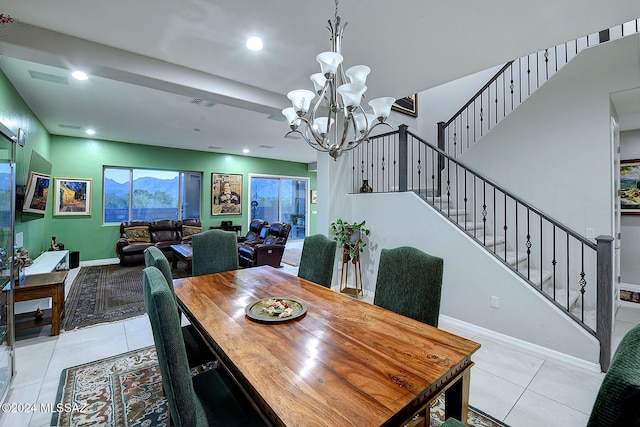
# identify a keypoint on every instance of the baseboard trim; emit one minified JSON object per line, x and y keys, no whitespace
{"x":629,"y":287}
{"x":518,"y":344}
{"x":94,"y":262}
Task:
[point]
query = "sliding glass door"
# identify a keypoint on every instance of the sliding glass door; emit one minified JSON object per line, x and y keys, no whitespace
{"x":280,"y":199}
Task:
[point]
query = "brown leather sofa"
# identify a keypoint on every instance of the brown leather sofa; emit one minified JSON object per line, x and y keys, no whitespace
{"x":268,"y":252}
{"x":136,"y":236}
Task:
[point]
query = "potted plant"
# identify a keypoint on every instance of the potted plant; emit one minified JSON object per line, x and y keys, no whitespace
{"x":349,"y":236}
{"x":297,"y":217}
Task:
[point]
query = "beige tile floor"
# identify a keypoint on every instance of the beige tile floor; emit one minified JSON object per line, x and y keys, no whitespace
{"x":516,"y":387}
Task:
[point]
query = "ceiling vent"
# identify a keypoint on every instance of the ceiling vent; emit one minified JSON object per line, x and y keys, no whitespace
{"x":213,"y":147}
{"x":48,"y":77}
{"x":200,"y":101}
{"x":265,"y":146}
{"x":70,"y":127}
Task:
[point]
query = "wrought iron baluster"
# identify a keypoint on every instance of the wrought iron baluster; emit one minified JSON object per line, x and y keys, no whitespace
{"x":554,"y":262}
{"x":541,"y":246}
{"x":568,"y":272}
{"x":505,"y":227}
{"x":494,"y":219}
{"x":484,"y":212}
{"x":583,"y":283}
{"x":517,"y":229}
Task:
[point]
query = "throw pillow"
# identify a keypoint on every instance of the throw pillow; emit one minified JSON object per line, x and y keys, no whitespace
{"x":189,"y":230}
{"x":137,"y":234}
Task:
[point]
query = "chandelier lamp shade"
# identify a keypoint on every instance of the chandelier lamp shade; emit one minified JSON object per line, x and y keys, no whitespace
{"x":331,"y":118}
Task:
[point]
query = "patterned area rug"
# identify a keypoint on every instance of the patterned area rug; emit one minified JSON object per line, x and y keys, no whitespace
{"x":630,"y":296}
{"x":291,"y":256}
{"x":106,"y":293}
{"x":126,"y":390}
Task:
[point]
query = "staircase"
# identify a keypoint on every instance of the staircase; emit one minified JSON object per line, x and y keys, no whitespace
{"x":570,"y":271}
{"x":512,"y":85}
{"x":519,"y":261}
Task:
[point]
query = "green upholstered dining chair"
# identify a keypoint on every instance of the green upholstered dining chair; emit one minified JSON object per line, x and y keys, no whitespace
{"x":317,"y":259}
{"x":452,"y":422}
{"x":618,"y":400}
{"x":214,"y":251}
{"x":409,"y":282}
{"x":198,"y":352}
{"x":208,"y":399}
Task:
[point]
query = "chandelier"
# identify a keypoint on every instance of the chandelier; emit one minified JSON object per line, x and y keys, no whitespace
{"x":342,"y":124}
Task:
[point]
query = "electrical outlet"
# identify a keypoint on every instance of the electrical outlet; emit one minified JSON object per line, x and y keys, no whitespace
{"x":591,"y":233}
{"x":495,"y":302}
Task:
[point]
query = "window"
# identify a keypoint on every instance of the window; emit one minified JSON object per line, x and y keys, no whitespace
{"x":148,"y":195}
{"x":280,"y":199}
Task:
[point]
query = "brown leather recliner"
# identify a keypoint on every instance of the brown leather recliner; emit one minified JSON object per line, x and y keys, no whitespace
{"x":268,"y":252}
{"x":258,"y":229}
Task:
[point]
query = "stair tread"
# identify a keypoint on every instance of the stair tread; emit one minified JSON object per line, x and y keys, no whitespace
{"x":535,"y":275}
{"x":512,"y":257}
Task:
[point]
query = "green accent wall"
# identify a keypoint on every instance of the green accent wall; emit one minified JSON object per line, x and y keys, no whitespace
{"x":15,"y":114}
{"x":85,"y":158}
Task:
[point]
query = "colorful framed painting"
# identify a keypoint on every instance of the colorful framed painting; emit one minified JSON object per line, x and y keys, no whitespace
{"x":630,"y":187}
{"x":226,"y":194}
{"x":72,"y":196}
{"x":407,"y":105}
{"x":35,"y":198}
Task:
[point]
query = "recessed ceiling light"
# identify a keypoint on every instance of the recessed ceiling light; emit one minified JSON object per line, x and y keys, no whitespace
{"x":90,"y":132}
{"x":79,"y":75}
{"x":245,"y":151}
{"x":254,"y":43}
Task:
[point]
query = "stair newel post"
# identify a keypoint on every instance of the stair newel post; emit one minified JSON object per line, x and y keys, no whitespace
{"x":604,"y":322}
{"x":403,"y":158}
{"x":441,"y":145}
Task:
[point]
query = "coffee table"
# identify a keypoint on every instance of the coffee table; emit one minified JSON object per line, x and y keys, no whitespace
{"x":183,"y":252}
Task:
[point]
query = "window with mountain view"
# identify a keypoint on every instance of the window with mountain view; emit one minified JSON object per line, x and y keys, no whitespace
{"x":149,"y":195}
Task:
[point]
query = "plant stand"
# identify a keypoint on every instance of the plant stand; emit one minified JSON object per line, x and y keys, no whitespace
{"x":357,"y":273}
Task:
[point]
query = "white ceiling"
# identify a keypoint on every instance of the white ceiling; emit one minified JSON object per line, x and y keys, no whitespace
{"x":149,"y":59}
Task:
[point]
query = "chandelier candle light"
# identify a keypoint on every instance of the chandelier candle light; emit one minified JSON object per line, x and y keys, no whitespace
{"x":324,"y":132}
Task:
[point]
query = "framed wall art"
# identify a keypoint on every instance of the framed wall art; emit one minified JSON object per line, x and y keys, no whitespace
{"x":72,"y":196}
{"x":630,"y":187}
{"x":35,"y":198}
{"x":226,"y":194}
{"x":407,"y":105}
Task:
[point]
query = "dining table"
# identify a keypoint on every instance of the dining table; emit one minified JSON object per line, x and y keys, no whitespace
{"x":331,"y":359}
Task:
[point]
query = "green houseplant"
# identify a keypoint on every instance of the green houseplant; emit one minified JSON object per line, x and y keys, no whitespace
{"x":349,"y":236}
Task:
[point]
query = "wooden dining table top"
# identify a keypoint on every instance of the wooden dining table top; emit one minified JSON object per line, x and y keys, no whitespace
{"x":345,"y":362}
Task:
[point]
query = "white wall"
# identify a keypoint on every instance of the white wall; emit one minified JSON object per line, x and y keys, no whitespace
{"x":630,"y":224}
{"x":440,"y":103}
{"x":471,"y":275}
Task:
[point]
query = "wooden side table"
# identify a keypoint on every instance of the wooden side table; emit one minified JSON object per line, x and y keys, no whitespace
{"x":36,"y":286}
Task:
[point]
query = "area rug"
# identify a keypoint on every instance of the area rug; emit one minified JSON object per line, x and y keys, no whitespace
{"x":630,"y":296}
{"x":291,"y":256}
{"x":106,"y":293}
{"x":126,"y":390}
